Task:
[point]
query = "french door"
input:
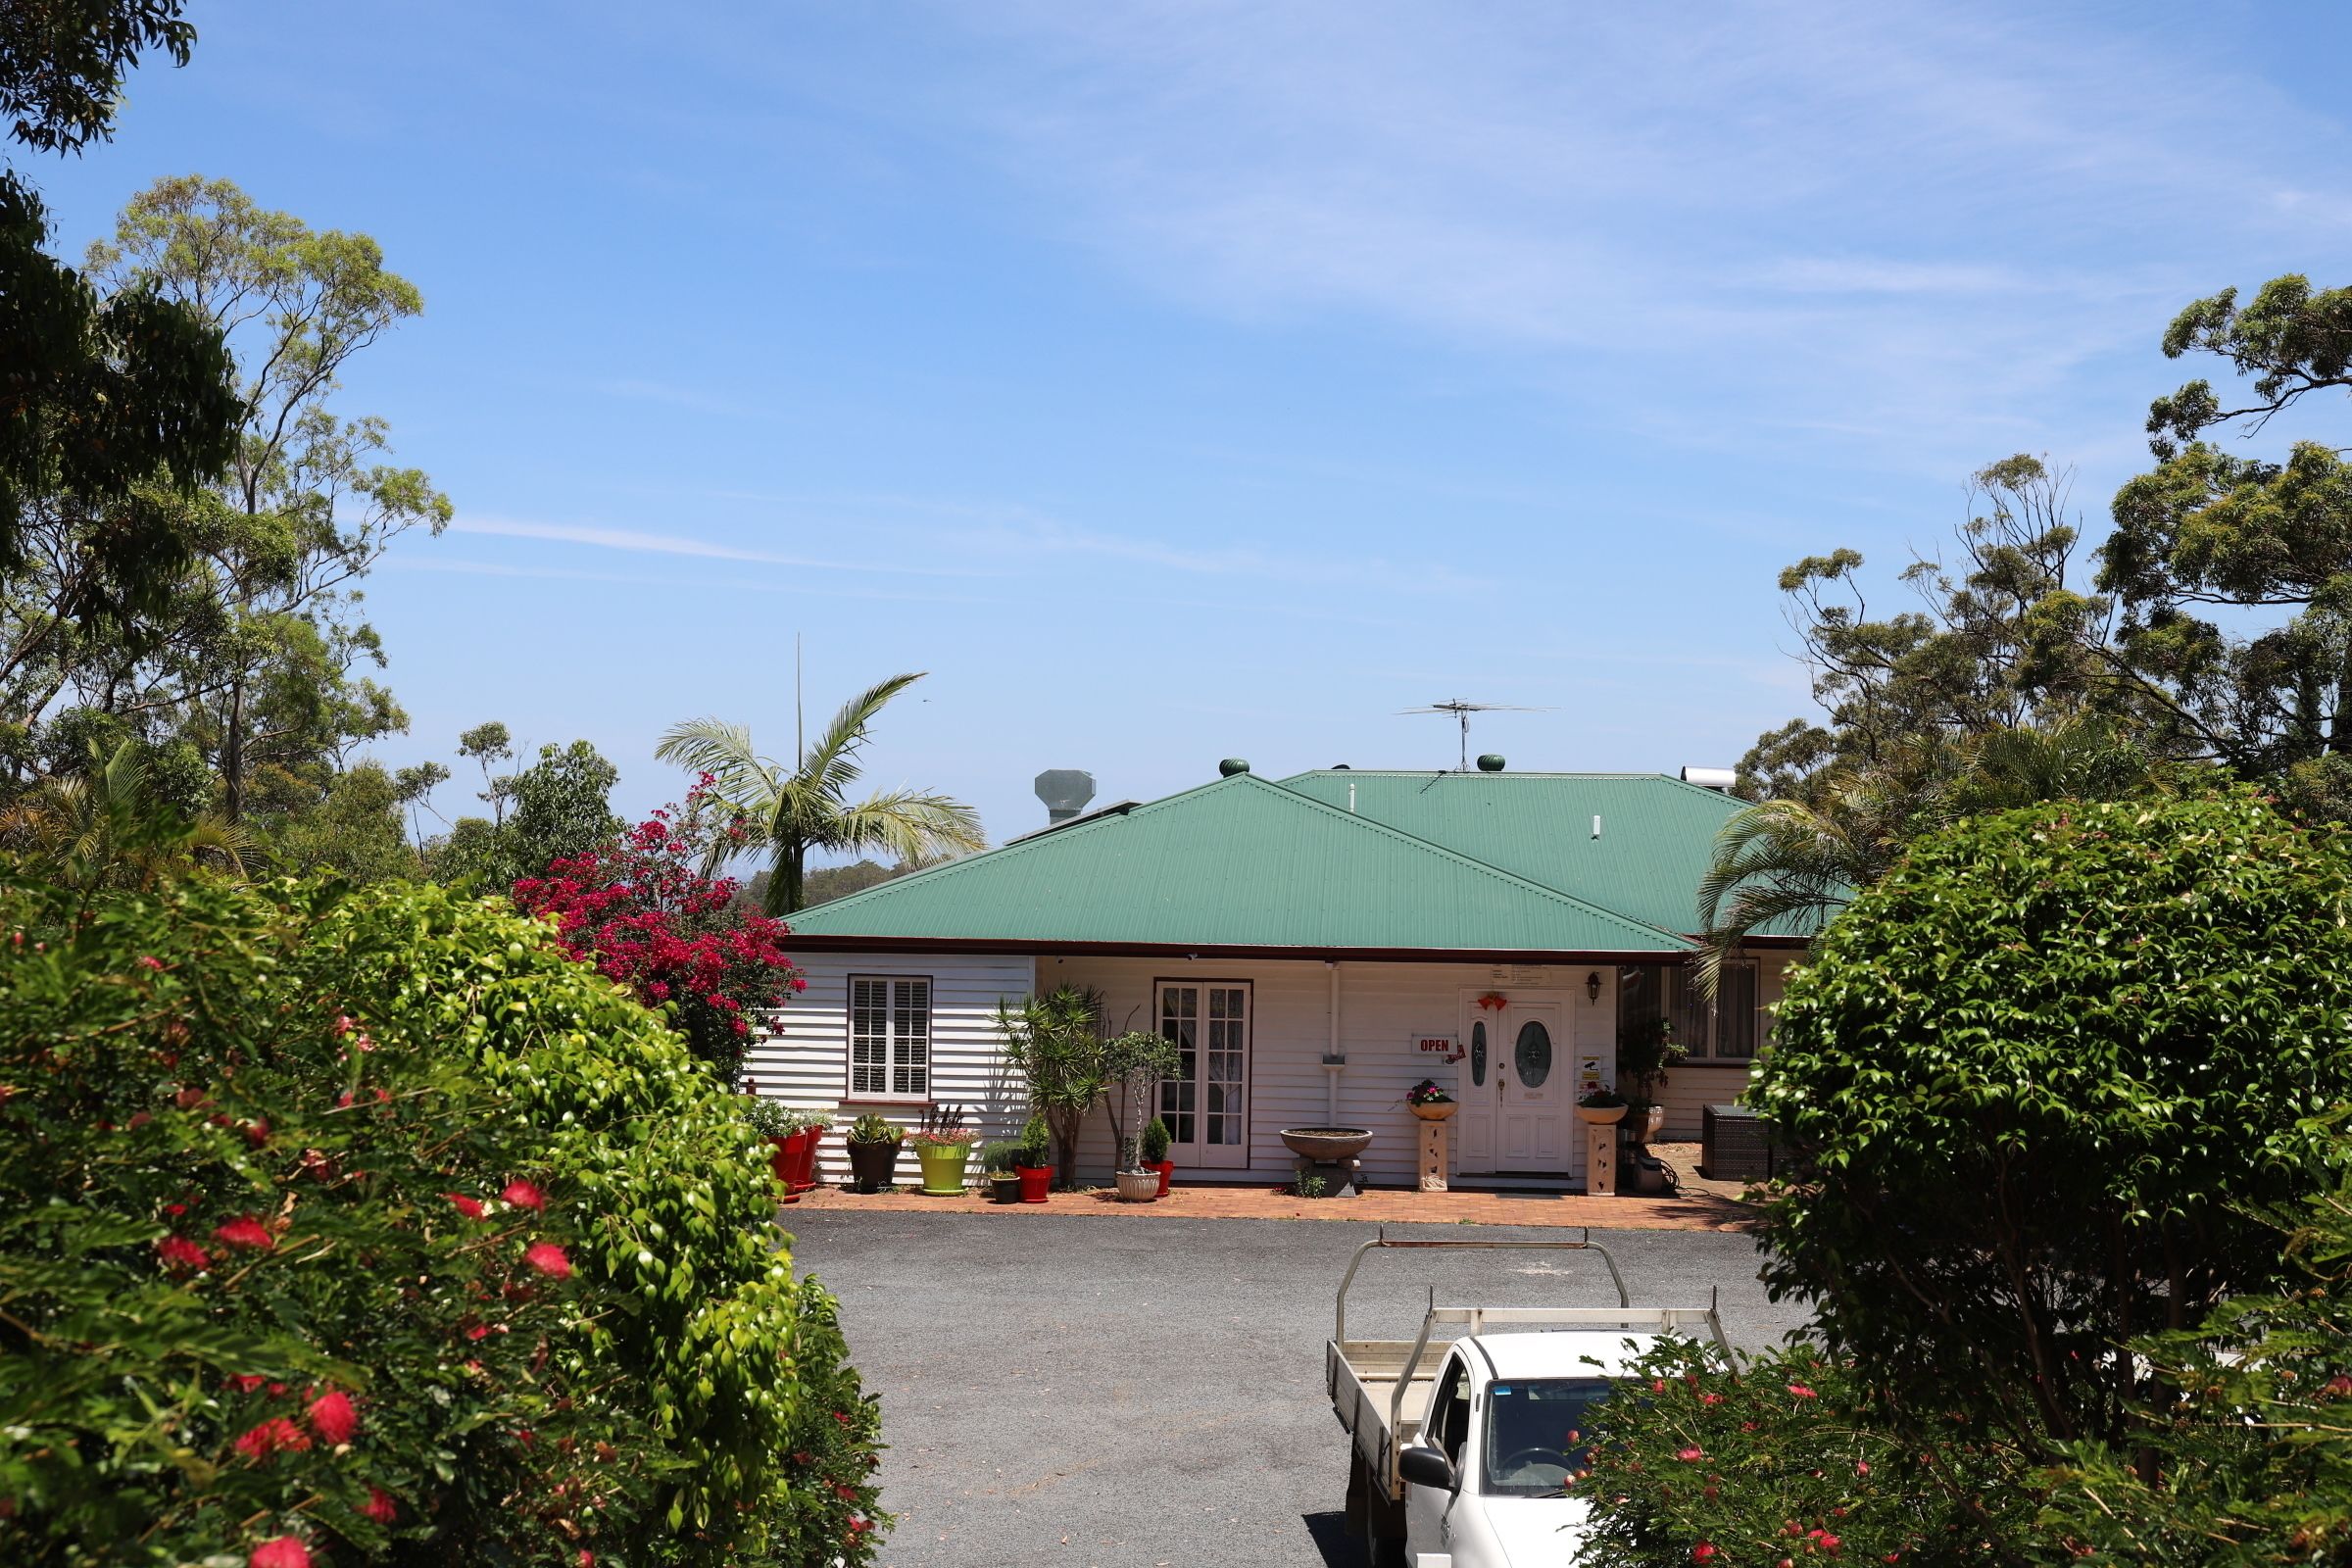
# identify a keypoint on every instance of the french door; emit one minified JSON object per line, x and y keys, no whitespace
{"x":1206,"y":1101}
{"x":1516,"y":1091}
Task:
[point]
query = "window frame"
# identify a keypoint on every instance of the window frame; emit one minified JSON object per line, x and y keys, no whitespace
{"x":1196,"y":1148}
{"x":1676,"y":981}
{"x":891,"y":1041}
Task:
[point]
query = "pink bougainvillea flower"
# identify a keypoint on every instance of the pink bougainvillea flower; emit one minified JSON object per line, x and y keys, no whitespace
{"x":286,"y":1551}
{"x":548,"y":1258}
{"x":181,"y":1255}
{"x":522,"y":1195}
{"x":333,"y":1418}
{"x":471,"y":1207}
{"x":246,"y":1230}
{"x":344,"y":1024}
{"x":277,"y":1435}
{"x":380,"y":1506}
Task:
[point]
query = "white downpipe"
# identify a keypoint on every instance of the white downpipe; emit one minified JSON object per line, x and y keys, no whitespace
{"x":1331,"y":1055}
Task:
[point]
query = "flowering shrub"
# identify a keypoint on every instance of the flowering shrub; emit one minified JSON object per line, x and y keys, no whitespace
{"x":1782,"y":1463}
{"x":641,"y":912}
{"x":1427,"y":1093}
{"x":346,"y":1228}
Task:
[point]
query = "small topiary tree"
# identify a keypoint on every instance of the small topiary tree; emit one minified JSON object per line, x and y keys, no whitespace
{"x":2032,"y":1073}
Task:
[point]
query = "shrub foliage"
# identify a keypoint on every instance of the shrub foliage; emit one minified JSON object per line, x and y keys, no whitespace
{"x":2031,"y":1072}
{"x":372,"y":1226}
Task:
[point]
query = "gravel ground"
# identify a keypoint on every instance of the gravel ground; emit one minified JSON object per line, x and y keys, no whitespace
{"x":1086,"y":1393}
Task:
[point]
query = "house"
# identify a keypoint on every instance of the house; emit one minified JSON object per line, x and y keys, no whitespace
{"x":1315,"y":945}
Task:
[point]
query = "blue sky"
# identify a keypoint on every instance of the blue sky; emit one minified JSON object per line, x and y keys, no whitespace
{"x":1189,"y":380}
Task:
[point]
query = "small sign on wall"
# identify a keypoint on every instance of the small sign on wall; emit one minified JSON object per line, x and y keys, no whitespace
{"x":1588,"y":1075}
{"x":1434,"y":1046}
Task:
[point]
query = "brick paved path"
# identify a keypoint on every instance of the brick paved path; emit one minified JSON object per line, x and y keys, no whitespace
{"x":1692,"y":1211}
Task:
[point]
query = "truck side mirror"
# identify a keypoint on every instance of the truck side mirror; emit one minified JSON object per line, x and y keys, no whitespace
{"x":1425,"y":1467}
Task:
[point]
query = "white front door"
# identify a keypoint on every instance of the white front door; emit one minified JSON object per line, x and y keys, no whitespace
{"x":1206,"y":1104}
{"x":1517,"y":1088}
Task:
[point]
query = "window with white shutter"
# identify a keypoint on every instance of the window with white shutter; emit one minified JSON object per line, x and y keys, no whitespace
{"x":890,"y":1036}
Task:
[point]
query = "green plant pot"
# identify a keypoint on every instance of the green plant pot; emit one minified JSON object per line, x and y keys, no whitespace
{"x":943,"y":1170}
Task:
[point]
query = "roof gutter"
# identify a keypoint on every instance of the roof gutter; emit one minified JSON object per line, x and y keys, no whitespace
{"x":812,"y":942}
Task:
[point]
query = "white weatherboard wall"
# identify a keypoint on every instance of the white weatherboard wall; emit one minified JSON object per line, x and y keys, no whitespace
{"x":1383,"y":1009}
{"x":803,"y":1058}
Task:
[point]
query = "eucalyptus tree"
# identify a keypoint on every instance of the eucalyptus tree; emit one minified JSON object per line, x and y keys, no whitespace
{"x":304,"y":506}
{"x":790,"y":810}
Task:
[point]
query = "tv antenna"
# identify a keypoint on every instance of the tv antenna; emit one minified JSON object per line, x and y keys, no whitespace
{"x":1461,"y":710}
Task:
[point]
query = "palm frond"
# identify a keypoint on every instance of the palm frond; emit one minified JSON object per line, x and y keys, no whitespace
{"x":907,"y":823}
{"x":831,"y":763}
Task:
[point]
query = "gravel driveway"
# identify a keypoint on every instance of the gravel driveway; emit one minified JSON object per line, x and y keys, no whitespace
{"x":1093,"y":1392}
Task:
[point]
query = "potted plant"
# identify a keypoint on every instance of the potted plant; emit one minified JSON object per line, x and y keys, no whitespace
{"x":873,"y":1153}
{"x":1644,"y":1054}
{"x":1002,"y":1160}
{"x":1035,"y":1167}
{"x":943,"y":1144}
{"x":804,"y":1131}
{"x":1428,"y":1101}
{"x":1603,"y":1107}
{"x":773,"y":1124}
{"x":1132,"y":1064}
{"x":1155,"y":1152}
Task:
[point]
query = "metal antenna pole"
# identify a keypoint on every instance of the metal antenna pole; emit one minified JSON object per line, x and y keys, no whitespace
{"x":800,"y":736}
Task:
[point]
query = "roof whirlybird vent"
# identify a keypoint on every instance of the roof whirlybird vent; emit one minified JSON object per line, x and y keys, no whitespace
{"x":1232,"y":766}
{"x":1066,"y":792}
{"x":1491,"y":763}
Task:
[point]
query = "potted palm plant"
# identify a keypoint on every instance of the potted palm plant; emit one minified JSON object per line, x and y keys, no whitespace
{"x":1002,"y":1160}
{"x":1035,"y":1169}
{"x":873,"y":1145}
{"x":943,"y":1144}
{"x":1155,"y":1152}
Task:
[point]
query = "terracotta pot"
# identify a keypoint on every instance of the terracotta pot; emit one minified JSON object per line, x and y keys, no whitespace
{"x":1652,"y":1123}
{"x":1164,"y":1169}
{"x":1036,"y":1181}
{"x":873,"y":1166}
{"x":1441,"y":1111}
{"x":780,"y":1160}
{"x":797,"y":1165}
{"x":1601,"y":1115}
{"x":1137,"y":1186}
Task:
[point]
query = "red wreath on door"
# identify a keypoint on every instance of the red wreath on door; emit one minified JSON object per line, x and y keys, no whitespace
{"x":1494,"y":1002}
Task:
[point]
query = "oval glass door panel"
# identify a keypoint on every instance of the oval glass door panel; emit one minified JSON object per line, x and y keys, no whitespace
{"x":1478,"y":1054}
{"x":1531,"y":1056}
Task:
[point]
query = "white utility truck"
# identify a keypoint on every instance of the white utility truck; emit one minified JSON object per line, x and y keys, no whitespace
{"x":1459,"y":1450}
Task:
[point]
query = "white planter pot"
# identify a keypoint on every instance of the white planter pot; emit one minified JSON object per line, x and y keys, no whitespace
{"x":1137,"y":1186}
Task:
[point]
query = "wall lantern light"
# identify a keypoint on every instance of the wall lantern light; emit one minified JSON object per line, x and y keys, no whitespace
{"x":1593,"y":985}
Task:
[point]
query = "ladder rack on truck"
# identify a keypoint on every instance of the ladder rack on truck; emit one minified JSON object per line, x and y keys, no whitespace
{"x":1379,"y":1389}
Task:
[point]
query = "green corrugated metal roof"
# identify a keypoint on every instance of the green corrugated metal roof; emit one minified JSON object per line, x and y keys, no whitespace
{"x":1656,"y":835}
{"x":1240,"y":862}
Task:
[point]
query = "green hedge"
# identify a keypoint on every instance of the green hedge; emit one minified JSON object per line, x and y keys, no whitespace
{"x":244,"y":1139}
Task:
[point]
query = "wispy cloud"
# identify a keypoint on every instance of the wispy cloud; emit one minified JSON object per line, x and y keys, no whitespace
{"x":640,"y":541}
{"x":735,"y":584}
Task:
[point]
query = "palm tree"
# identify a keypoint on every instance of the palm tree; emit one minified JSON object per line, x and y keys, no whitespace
{"x":807,"y":807}
{"x":102,"y":828}
{"x":1782,"y":859}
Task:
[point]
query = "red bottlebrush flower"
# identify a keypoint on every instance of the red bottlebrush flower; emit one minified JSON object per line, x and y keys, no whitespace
{"x":181,"y":1255}
{"x":858,"y":1527}
{"x":277,"y":1435}
{"x":286,"y":1551}
{"x":586,"y":1558}
{"x":1690,"y":1455}
{"x":522,"y":1195}
{"x":1861,"y":1467}
{"x":844,"y":1493}
{"x":548,"y":1258}
{"x":1710,"y":1399}
{"x":1704,"y":1552}
{"x":258,"y":1132}
{"x":1829,"y":1545}
{"x":245,"y":1231}
{"x":380,"y":1506}
{"x":1657,"y":1385}
{"x":1801,"y":1392}
{"x":333,"y":1418}
{"x":481,"y":1331}
{"x":471,"y":1207}
{"x":247,"y":1382}
{"x":150,"y":961}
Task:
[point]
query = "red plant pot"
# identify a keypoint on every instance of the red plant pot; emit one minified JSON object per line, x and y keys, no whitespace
{"x":1035,"y":1181}
{"x":1166,"y":1170}
{"x":799,"y":1167}
{"x":780,"y":1160}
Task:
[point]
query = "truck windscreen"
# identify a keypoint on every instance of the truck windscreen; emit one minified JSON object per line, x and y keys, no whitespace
{"x":1536,"y":1433}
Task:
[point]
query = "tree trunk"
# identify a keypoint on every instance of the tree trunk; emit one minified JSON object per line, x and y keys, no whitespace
{"x":232,"y":755}
{"x":785,"y":880}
